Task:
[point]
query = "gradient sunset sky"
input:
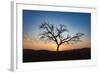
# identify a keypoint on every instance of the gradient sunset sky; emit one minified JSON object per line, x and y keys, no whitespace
{"x":74,"y":22}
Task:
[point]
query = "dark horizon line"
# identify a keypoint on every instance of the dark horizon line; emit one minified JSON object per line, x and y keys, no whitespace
{"x":55,"y":50}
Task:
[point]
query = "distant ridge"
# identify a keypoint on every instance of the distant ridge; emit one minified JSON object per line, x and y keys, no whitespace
{"x":30,"y":55}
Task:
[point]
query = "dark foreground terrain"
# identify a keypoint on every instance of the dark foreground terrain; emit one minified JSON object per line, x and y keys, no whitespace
{"x":44,"y":55}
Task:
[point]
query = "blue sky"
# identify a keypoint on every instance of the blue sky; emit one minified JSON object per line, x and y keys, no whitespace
{"x":75,"y":22}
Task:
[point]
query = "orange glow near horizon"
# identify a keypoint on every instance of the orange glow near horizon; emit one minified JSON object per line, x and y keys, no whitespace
{"x":51,"y":46}
{"x":74,"y":22}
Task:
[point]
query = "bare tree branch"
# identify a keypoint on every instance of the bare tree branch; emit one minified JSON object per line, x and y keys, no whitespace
{"x":56,"y":34}
{"x":75,"y":38}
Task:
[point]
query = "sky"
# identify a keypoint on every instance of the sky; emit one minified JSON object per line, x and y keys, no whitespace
{"x":74,"y":22}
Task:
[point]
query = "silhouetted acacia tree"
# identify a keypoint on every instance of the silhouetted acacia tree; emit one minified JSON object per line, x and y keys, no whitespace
{"x":56,"y":34}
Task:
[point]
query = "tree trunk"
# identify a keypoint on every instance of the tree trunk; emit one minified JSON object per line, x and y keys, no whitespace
{"x":58,"y":48}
